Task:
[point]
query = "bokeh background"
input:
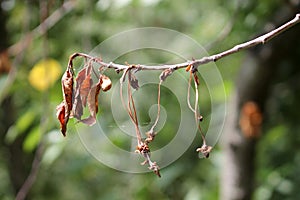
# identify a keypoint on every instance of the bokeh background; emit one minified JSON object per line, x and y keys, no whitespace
{"x":257,"y":156}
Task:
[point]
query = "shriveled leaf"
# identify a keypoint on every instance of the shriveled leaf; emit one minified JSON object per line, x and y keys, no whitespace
{"x":98,"y":87}
{"x":89,"y":121}
{"x":77,"y":111}
{"x":61,"y":118}
{"x":85,"y":88}
{"x":67,"y":88}
{"x":92,"y":102}
{"x":133,"y":81}
{"x":106,"y":83}
{"x":64,"y":109}
{"x":80,"y":77}
{"x":166,"y":73}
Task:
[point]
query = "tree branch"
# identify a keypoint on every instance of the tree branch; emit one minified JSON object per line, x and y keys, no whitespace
{"x":42,"y":28}
{"x":213,"y":58}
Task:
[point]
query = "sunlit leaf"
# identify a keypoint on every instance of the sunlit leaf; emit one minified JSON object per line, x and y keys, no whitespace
{"x":21,"y":125}
{"x":32,"y":140}
{"x":44,"y":74}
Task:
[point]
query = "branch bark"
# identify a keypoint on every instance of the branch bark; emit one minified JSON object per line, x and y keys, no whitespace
{"x":195,"y":63}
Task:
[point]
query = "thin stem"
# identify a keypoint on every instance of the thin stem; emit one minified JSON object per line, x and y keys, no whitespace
{"x":158,"y":108}
{"x":189,"y":93}
{"x":122,"y":98}
{"x":135,"y":118}
{"x":196,"y":109}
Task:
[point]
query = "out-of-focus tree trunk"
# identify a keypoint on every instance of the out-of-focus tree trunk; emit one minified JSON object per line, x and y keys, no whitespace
{"x":16,"y":160}
{"x":258,"y":72}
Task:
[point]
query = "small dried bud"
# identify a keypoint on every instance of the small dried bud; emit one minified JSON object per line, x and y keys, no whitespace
{"x":200,"y":118}
{"x":106,"y":83}
{"x":205,"y":150}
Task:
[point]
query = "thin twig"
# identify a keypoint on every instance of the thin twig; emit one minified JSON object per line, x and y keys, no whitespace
{"x":135,"y":118}
{"x":42,"y":28}
{"x":196,"y":109}
{"x":22,"y":193}
{"x":189,"y":93}
{"x":204,"y":60}
{"x":158,"y":108}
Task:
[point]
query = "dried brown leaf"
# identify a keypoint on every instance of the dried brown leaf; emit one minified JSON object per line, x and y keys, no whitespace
{"x":92,"y":102}
{"x":64,"y":109}
{"x":133,"y":81}
{"x":67,"y":89}
{"x":77,"y":111}
{"x":85,"y":88}
{"x":61,"y":118}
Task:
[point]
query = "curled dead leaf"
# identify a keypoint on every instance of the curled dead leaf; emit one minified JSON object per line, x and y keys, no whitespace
{"x":64,"y":109}
{"x":85,"y":88}
{"x":133,"y":81}
{"x":61,"y":118}
{"x":92,"y":102}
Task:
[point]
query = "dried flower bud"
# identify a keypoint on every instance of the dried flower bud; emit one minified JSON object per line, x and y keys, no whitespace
{"x":106,"y":83}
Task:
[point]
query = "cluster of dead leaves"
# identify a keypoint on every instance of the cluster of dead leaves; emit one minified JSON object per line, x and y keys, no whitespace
{"x":84,"y":94}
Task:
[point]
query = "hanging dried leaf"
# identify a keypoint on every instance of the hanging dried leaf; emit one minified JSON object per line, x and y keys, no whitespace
{"x":133,"y":81}
{"x":77,"y":111}
{"x":66,"y":106}
{"x":67,"y":87}
{"x":61,"y":117}
{"x":166,"y":73}
{"x":92,"y":102}
{"x":85,"y":88}
{"x":106,"y":83}
{"x":98,"y":87}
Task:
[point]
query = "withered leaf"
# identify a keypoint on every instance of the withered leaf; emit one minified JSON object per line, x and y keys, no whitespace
{"x":85,"y":88}
{"x":133,"y":81}
{"x":89,"y":121}
{"x":166,"y":73}
{"x":64,"y":109}
{"x":67,"y":89}
{"x":92,"y":102}
{"x":61,"y":117}
{"x":77,"y":111}
{"x":98,"y":87}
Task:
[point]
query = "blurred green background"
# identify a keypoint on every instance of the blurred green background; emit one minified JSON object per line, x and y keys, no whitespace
{"x":29,"y":95}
